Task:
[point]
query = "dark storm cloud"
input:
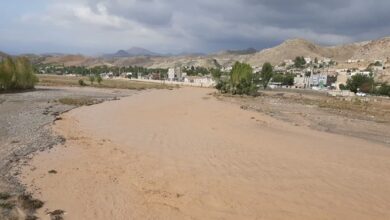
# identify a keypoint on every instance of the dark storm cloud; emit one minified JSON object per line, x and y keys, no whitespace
{"x":206,"y":25}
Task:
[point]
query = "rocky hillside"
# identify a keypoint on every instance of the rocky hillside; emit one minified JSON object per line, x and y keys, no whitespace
{"x":378,"y":49}
{"x":370,"y":50}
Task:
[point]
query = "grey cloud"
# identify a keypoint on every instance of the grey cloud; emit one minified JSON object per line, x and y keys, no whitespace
{"x":209,"y":25}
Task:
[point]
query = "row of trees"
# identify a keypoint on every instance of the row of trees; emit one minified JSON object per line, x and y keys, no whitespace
{"x":284,"y":79}
{"x":97,"y":70}
{"x":366,"y":84}
{"x":194,"y":71}
{"x":300,"y":63}
{"x":241,"y":79}
{"x":16,"y":73}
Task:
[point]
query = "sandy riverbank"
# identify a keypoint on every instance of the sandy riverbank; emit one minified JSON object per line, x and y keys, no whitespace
{"x":181,"y":154}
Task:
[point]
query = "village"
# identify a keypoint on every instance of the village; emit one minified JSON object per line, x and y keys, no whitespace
{"x":306,"y":73}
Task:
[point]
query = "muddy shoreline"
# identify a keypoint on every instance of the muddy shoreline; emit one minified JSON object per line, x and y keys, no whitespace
{"x":26,"y":119}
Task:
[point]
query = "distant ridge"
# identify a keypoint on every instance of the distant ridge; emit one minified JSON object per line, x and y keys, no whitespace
{"x":132,"y":52}
{"x":240,"y":52}
{"x":289,"y":49}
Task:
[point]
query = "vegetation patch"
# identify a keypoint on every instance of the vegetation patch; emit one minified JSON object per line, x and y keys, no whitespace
{"x":7,"y":205}
{"x":79,"y":101}
{"x":242,"y":81}
{"x":4,"y":195}
{"x":28,"y":203}
{"x":57,"y":214}
{"x":57,"y":80}
{"x":52,"y":171}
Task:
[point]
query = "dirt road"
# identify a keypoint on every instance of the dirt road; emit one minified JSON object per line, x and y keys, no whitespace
{"x":182,"y":154}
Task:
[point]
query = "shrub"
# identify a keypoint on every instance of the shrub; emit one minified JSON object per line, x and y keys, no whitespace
{"x":343,"y":87}
{"x":384,"y":90}
{"x":82,"y":83}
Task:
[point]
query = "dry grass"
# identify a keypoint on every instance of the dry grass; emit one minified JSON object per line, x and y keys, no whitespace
{"x":54,"y":80}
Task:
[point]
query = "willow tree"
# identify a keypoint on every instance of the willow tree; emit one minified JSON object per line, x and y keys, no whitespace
{"x":16,"y":73}
{"x":241,"y":78}
{"x":7,"y":72}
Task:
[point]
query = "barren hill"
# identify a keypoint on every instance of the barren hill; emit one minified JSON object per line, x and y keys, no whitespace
{"x":379,"y":49}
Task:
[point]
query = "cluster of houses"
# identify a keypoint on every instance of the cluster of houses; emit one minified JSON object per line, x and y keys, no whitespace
{"x":323,"y":74}
{"x":318,"y":74}
{"x":176,"y":74}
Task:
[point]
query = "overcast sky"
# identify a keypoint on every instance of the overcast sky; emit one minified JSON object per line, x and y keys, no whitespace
{"x":174,"y":26}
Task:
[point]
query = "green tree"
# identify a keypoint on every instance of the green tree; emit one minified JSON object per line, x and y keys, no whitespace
{"x":299,"y":62}
{"x":240,"y":77}
{"x":360,"y":82}
{"x":266,"y":74}
{"x":99,"y":79}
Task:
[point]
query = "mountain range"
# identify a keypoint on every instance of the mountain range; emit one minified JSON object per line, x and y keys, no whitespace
{"x":367,"y":50}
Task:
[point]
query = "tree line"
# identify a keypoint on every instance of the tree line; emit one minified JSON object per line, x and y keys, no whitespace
{"x":366,"y":84}
{"x":84,"y":71}
{"x":16,"y":73}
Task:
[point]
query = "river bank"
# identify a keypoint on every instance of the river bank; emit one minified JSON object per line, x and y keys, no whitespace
{"x":182,"y":154}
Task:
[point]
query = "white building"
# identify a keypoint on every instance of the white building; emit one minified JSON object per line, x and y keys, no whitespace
{"x":317,"y":80}
{"x":354,"y":61}
{"x":175,"y":74}
{"x":301,"y":81}
{"x":326,"y":60}
{"x":366,"y":73}
{"x":204,"y":81}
